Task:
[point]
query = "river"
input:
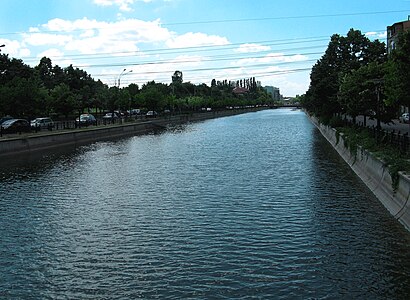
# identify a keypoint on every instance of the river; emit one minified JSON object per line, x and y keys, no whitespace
{"x":257,"y":205}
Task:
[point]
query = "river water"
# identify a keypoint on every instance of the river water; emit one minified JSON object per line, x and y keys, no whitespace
{"x":251,"y":206}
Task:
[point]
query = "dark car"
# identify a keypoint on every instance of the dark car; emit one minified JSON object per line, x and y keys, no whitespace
{"x":5,"y":118}
{"x":85,"y":120}
{"x":15,"y":125}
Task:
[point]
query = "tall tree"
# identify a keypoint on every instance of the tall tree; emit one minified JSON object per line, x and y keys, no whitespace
{"x":45,"y":72}
{"x":343,"y":55}
{"x":361,"y":94}
{"x":177,"y":78}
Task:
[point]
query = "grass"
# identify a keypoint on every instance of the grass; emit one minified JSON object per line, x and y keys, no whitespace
{"x":394,"y":159}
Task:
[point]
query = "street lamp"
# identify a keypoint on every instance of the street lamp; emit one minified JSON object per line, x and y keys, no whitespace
{"x":1,"y":46}
{"x":122,"y":74}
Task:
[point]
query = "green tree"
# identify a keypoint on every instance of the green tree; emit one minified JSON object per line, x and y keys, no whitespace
{"x":343,"y":55}
{"x":45,"y":72}
{"x":177,"y":78}
{"x":63,"y":100}
{"x":360,"y":92}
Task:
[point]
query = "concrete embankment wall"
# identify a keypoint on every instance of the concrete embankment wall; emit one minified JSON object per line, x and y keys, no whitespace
{"x":58,"y":139}
{"x":375,"y":174}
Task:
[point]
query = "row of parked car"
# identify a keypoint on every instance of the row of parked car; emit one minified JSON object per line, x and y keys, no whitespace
{"x":9,"y":124}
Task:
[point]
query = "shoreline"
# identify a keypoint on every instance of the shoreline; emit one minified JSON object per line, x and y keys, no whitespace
{"x":30,"y":144}
{"x":374,"y":173}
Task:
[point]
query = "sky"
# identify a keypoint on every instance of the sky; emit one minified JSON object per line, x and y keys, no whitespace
{"x":136,"y":41}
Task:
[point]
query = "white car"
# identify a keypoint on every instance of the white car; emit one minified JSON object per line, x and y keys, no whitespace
{"x":151,"y":114}
{"x":42,"y":123}
{"x":109,"y":116}
{"x":404,"y":118}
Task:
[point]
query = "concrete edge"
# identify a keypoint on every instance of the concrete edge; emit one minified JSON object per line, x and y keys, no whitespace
{"x":53,"y":140}
{"x":374,"y":173}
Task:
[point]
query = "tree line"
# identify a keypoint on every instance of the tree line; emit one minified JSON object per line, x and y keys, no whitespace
{"x":356,"y":77}
{"x":49,"y":90}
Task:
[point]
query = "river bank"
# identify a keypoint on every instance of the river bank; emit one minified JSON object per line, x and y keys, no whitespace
{"x":47,"y":141}
{"x":374,"y":173}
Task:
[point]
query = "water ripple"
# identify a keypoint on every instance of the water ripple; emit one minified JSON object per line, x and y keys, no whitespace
{"x":251,"y":206}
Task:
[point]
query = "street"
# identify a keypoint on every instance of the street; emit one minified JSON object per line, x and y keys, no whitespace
{"x":396,"y":126}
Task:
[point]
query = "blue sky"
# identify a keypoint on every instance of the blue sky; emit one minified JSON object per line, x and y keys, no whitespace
{"x":275,"y":41}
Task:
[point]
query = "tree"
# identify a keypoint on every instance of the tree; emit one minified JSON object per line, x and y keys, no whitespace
{"x":63,"y":101}
{"x":45,"y":72}
{"x":360,"y":93}
{"x":177,"y":78}
{"x":343,"y":55}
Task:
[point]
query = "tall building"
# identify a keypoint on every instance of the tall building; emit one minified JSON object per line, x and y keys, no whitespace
{"x":274,"y":92}
{"x":393,"y":32}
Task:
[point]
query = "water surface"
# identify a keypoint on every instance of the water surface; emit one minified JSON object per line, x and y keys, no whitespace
{"x":251,"y":206}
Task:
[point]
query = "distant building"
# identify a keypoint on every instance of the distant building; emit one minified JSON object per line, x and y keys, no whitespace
{"x":240,"y":90}
{"x":393,"y":32}
{"x":274,"y":92}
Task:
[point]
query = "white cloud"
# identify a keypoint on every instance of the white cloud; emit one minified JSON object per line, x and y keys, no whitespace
{"x":251,"y":48}
{"x":56,"y":56}
{"x":91,"y":36}
{"x":191,"y":39}
{"x":123,"y":5}
{"x":376,"y":35}
{"x":14,"y":48}
{"x":40,"y":39}
{"x":270,"y":58}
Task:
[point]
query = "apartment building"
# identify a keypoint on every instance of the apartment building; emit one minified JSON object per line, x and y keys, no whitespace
{"x":393,"y":32}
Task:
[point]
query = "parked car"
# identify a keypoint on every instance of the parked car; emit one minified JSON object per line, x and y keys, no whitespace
{"x":151,"y":114}
{"x":5,"y":118}
{"x":42,"y":123}
{"x":110,"y":116}
{"x":15,"y":125}
{"x":134,"y":111}
{"x":404,"y":118}
{"x":86,"y":119}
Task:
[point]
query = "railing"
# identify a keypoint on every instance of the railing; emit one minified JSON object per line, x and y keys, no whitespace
{"x":397,"y":139}
{"x":70,"y":125}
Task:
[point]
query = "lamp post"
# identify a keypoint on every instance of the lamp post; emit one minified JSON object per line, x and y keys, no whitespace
{"x":122,"y":74}
{"x":378,"y":86}
{"x":1,"y":46}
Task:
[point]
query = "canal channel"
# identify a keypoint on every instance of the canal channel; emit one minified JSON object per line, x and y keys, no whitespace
{"x":257,"y":205}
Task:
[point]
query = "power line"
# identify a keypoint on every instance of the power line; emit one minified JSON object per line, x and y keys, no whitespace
{"x":220,"y":68}
{"x":204,"y":48}
{"x":287,"y":17}
{"x":201,"y":78}
{"x":229,"y":21}
{"x":166,"y":62}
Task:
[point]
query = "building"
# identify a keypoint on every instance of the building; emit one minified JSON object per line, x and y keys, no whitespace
{"x":274,"y":92}
{"x":240,"y":90}
{"x":393,"y":32}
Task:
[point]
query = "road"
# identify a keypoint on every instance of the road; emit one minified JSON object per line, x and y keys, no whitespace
{"x":396,"y":126}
